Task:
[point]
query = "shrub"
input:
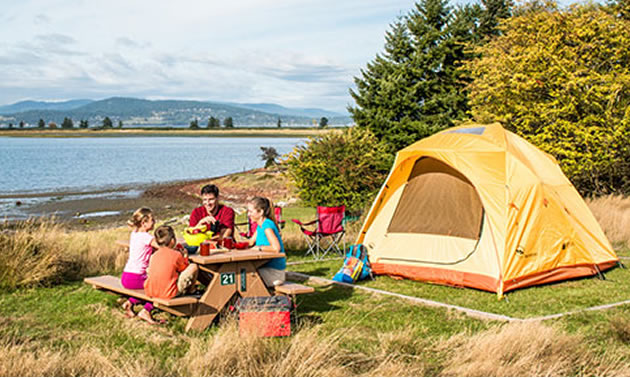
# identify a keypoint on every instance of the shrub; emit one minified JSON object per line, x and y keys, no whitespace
{"x":339,"y":168}
{"x":269,"y":156}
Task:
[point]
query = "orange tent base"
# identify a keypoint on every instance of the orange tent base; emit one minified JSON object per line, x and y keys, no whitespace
{"x":486,"y":283}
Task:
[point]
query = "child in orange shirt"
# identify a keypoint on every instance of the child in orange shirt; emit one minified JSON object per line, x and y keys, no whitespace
{"x":169,"y":272}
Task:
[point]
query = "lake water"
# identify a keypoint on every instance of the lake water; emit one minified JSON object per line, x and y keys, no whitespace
{"x":37,"y":169}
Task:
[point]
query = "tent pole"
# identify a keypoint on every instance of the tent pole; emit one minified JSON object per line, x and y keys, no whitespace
{"x":599,"y":272}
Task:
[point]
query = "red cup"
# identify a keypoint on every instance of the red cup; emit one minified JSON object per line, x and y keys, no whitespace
{"x":228,"y":243}
{"x":204,"y":248}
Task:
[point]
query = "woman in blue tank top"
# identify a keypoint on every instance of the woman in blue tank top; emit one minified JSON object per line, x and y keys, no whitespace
{"x":267,"y":238}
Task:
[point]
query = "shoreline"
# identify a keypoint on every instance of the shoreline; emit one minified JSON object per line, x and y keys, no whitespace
{"x":108,"y":208}
{"x":166,"y":132}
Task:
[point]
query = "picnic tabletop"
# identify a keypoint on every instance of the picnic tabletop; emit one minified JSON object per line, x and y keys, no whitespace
{"x":233,"y":255}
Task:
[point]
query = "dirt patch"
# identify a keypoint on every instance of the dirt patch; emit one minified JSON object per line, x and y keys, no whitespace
{"x":235,"y":189}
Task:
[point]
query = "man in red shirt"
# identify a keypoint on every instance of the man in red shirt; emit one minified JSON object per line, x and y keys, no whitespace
{"x":219,"y":218}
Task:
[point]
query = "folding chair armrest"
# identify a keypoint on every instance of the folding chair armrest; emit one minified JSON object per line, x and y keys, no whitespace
{"x":303,"y":224}
{"x":242,"y":224}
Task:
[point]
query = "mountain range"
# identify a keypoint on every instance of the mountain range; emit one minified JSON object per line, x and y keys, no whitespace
{"x":140,"y":112}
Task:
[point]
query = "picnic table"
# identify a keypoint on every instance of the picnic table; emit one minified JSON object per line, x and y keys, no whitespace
{"x":226,"y":274}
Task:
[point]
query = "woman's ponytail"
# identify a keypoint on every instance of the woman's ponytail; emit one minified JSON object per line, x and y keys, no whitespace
{"x":265,"y":204}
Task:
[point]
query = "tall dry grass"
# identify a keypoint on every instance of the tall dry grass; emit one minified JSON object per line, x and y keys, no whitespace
{"x":515,"y":349}
{"x":34,"y":359}
{"x":613,"y":214}
{"x":307,"y":353}
{"x":527,"y":349}
{"x":42,"y":252}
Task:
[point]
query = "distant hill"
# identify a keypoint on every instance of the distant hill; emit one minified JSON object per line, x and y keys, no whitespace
{"x":278,"y":109}
{"x":140,"y":112}
{"x":23,"y":106}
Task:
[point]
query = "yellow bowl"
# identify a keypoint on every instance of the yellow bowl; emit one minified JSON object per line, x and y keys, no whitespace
{"x":196,"y":239}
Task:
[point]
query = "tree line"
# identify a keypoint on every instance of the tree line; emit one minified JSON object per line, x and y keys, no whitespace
{"x":107,"y":123}
{"x":558,"y":77}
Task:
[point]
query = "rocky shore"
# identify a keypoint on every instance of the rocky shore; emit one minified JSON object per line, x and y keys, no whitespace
{"x":167,"y":200}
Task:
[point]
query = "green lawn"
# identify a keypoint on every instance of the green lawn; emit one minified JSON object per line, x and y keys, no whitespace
{"x":524,"y":303}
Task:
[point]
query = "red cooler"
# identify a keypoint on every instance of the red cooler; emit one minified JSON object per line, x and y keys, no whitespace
{"x":265,"y":316}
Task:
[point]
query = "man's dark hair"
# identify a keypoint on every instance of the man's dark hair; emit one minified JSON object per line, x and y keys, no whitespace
{"x":210,"y":189}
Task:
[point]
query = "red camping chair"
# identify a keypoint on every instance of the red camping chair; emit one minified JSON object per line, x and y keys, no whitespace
{"x":278,"y":213}
{"x":252,"y":226}
{"x":329,"y":227}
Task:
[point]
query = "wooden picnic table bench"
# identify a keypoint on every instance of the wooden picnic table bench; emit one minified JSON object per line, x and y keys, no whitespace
{"x":180,"y":306}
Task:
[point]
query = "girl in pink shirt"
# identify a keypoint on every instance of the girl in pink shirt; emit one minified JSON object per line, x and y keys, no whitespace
{"x":141,"y":244}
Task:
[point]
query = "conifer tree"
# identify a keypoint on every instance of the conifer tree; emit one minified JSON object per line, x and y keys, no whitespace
{"x":107,"y":123}
{"x":494,"y":12}
{"x":213,"y":123}
{"x":67,"y":123}
{"x":417,"y":86}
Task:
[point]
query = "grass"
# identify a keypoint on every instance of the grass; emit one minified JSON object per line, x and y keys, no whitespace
{"x":69,"y":317}
{"x":525,"y":303}
{"x":73,"y":330}
{"x":59,"y":326}
{"x":613,"y":214}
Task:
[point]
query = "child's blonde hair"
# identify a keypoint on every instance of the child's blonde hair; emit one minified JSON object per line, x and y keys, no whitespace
{"x":139,"y":216}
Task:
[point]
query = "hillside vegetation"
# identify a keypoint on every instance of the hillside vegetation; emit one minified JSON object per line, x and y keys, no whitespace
{"x":133,"y":111}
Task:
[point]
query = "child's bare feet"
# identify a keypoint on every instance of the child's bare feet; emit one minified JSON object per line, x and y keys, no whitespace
{"x":146,"y":316}
{"x":128,"y":307}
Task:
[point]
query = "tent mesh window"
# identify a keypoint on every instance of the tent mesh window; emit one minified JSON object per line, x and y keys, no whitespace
{"x":468,"y":130}
{"x":438,"y":200}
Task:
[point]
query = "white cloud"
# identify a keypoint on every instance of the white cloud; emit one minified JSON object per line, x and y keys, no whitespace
{"x":294,"y":53}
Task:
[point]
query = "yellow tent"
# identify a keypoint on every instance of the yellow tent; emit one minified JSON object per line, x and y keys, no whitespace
{"x":478,"y":206}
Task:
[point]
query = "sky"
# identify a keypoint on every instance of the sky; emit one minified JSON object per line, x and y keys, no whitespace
{"x":299,"y":53}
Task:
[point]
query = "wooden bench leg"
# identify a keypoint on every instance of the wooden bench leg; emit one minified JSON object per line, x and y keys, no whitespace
{"x":211,"y":302}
